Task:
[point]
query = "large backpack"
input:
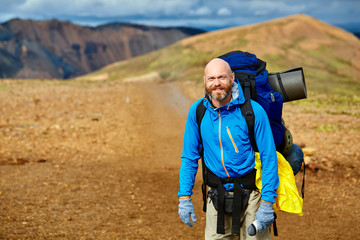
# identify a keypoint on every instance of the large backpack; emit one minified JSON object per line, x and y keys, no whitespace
{"x":253,"y":77}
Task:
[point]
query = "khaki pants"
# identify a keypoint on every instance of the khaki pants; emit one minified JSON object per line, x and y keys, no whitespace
{"x":246,"y":220}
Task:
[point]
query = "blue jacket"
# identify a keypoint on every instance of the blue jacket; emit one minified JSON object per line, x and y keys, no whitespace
{"x":227,"y":147}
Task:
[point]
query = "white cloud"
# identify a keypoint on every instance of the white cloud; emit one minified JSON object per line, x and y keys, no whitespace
{"x":261,"y":8}
{"x":201,"y":11}
{"x":224,"y":11}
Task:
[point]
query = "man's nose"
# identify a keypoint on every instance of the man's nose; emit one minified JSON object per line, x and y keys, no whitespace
{"x":217,"y":82}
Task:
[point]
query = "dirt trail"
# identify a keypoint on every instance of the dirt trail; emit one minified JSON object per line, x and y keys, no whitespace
{"x":101,"y":161}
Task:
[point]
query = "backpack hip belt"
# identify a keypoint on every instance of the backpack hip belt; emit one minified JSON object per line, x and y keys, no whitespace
{"x":243,"y":186}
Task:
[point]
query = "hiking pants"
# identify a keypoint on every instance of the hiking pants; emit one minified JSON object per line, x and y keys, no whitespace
{"x":247,"y":218}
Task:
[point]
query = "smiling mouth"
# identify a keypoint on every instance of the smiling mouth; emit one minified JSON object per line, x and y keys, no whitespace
{"x":218,"y":89}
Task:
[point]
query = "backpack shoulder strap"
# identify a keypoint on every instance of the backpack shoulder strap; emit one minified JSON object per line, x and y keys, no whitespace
{"x":248,"y":113}
{"x":200,"y":112}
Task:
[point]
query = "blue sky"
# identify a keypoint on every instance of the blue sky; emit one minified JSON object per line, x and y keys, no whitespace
{"x":204,"y":14}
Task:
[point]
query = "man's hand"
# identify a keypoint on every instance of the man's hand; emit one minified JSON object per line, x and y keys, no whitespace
{"x":264,"y":218}
{"x":186,"y":210}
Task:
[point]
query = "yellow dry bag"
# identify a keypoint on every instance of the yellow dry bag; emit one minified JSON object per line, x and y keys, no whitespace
{"x":288,"y":198}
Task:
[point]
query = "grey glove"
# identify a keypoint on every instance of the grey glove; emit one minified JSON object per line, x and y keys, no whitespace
{"x":186,"y":210}
{"x":264,"y":218}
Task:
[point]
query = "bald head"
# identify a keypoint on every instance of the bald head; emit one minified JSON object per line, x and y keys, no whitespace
{"x":217,"y":65}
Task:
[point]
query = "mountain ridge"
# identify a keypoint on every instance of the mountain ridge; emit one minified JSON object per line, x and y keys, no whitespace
{"x":61,"y":49}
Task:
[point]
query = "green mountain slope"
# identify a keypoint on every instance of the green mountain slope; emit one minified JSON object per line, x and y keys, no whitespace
{"x":329,"y":55}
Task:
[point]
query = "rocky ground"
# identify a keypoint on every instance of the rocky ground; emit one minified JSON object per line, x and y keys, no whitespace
{"x":101,"y":161}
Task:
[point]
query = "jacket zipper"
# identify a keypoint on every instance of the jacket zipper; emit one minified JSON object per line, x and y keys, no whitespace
{"x":232,"y":140}
{"x":221,"y":148}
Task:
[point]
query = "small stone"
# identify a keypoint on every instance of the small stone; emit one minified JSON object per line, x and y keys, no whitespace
{"x":56,"y":126}
{"x":308,"y":151}
{"x":313,"y":166}
{"x":307,"y":160}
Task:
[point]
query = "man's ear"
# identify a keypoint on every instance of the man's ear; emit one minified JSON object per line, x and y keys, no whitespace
{"x":233,"y":77}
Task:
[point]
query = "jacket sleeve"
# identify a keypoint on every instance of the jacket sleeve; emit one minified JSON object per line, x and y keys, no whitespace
{"x":190,"y":154}
{"x":266,"y":146}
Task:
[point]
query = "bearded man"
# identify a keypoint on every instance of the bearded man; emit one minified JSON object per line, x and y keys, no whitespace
{"x":223,"y":142}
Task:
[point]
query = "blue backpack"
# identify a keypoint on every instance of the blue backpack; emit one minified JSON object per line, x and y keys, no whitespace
{"x":253,"y":77}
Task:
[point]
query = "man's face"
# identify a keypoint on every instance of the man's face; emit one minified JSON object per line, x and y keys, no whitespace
{"x":218,"y":81}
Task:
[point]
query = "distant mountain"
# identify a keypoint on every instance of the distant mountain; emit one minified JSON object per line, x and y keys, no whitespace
{"x":57,"y":49}
{"x":353,"y":27}
{"x":350,"y":26}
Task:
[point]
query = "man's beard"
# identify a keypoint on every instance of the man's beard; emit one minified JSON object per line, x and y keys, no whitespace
{"x":219,"y":97}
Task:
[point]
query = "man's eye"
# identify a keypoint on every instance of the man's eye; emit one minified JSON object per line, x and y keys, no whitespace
{"x":223,"y":77}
